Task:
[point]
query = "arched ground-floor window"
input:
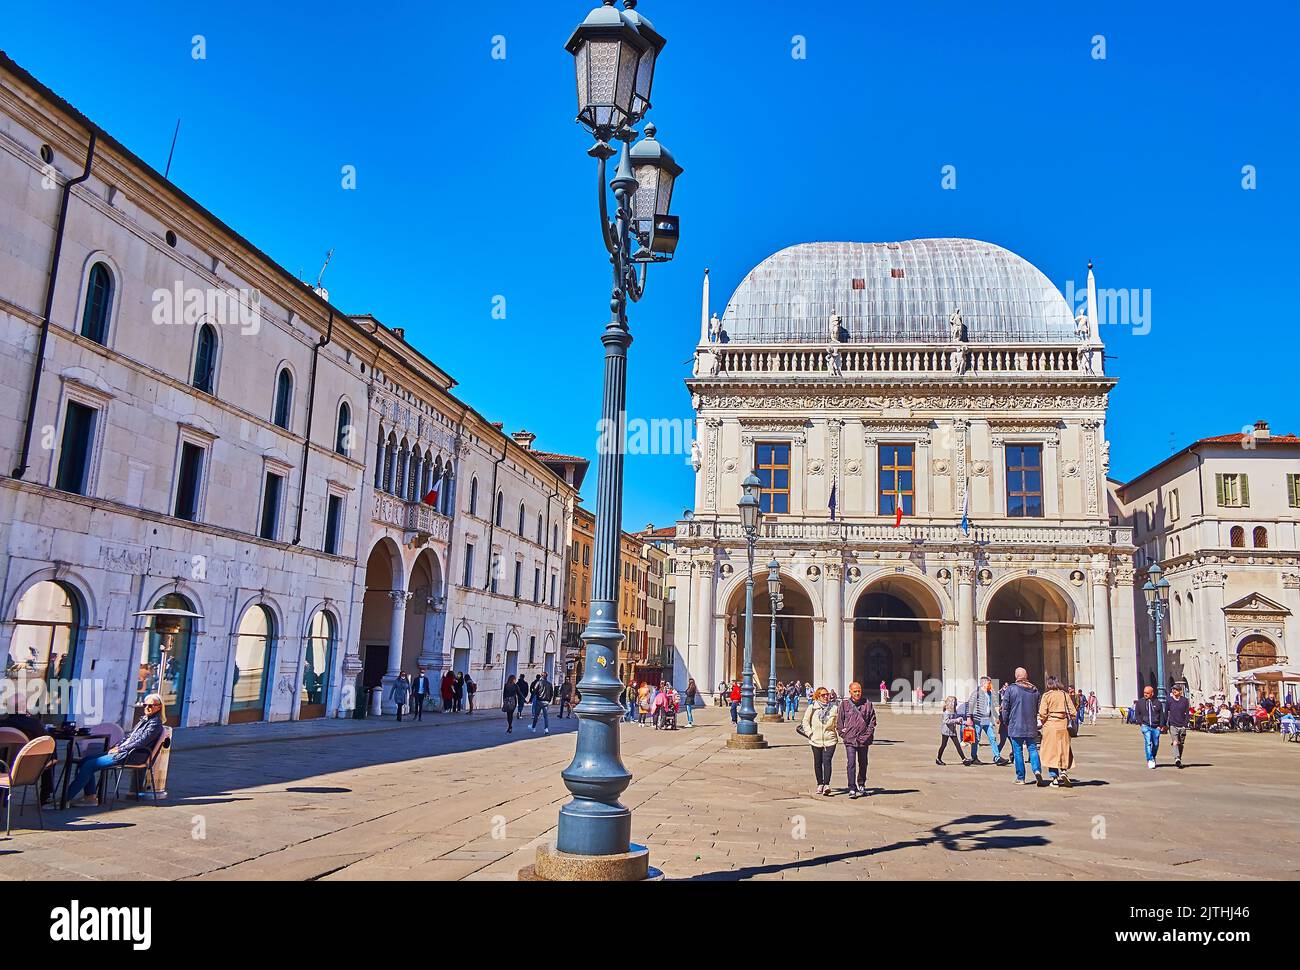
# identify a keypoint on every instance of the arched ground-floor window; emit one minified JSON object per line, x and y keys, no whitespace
{"x":166,"y":647}
{"x":317,"y":662}
{"x":253,"y":646}
{"x":48,"y":626}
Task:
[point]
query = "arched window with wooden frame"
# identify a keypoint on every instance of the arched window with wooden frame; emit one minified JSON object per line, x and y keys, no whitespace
{"x":205,"y":359}
{"x":99,"y":303}
{"x":343,"y":433}
{"x":1259,"y":538}
{"x":283,"y":398}
{"x":1237,"y":537}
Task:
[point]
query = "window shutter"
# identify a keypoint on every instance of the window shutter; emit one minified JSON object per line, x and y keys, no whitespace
{"x":1219,"y":490}
{"x":1245,"y":490}
{"x":1294,"y":481}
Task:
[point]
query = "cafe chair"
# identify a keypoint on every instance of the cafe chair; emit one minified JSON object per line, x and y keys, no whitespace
{"x":25,"y":773}
{"x":139,"y":761}
{"x":98,"y":740}
{"x":11,"y":742}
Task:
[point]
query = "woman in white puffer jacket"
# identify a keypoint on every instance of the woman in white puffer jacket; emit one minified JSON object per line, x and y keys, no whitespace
{"x":820,"y":726}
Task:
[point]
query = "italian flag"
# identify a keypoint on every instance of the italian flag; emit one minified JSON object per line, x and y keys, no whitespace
{"x":898,"y":503}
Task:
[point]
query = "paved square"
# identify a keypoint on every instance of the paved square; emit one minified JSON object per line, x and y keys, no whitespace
{"x":457,"y":798}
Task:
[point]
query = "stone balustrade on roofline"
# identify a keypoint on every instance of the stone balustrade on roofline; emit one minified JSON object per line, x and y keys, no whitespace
{"x":795,"y":360}
{"x":414,"y":517}
{"x":909,"y":533}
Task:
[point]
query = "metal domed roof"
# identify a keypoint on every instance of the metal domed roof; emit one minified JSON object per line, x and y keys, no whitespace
{"x":899,"y":292}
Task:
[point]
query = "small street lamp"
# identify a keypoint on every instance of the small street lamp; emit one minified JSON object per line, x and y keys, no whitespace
{"x":773,"y":713}
{"x":615,"y":53}
{"x":747,"y":735}
{"x":1156,"y":590}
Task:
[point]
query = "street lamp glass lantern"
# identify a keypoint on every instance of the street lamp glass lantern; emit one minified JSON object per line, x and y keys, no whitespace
{"x":749,"y":504}
{"x":645,"y":71}
{"x":774,"y":582}
{"x":656,"y":174}
{"x":607,"y":52}
{"x":1149,"y":591}
{"x":1162,"y":589}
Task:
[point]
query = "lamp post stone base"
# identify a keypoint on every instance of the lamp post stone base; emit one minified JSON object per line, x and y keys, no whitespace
{"x":771,"y":718}
{"x":553,"y":865}
{"x":746,"y":742}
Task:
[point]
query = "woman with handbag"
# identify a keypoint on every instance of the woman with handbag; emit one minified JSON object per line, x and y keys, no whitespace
{"x":949,"y":722}
{"x":1057,"y":719}
{"x":820,"y":728}
{"x":509,"y":701}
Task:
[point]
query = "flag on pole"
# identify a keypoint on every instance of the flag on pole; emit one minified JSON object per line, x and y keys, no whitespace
{"x":898,"y":502}
{"x":965,"y":512}
{"x":432,"y":498}
{"x":833,"y":501}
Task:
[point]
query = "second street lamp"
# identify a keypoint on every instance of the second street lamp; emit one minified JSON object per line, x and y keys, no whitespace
{"x":747,"y":735}
{"x":773,"y":712}
{"x":1156,"y":591}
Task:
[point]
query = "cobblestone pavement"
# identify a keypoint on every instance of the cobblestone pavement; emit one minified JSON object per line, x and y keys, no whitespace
{"x":457,"y":798}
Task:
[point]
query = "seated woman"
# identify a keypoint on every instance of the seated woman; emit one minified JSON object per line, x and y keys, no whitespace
{"x":143,"y":737}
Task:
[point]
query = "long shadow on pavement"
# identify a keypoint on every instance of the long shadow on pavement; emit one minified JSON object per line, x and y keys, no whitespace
{"x":987,"y":838}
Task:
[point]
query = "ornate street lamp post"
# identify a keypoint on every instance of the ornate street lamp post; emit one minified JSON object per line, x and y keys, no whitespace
{"x":773,"y":712}
{"x":615,"y":53}
{"x":747,"y":735}
{"x":1156,"y":591}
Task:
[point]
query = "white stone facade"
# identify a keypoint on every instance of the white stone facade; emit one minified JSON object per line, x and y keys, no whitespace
{"x":98,"y":508}
{"x":953,"y":404}
{"x":1222,"y":517}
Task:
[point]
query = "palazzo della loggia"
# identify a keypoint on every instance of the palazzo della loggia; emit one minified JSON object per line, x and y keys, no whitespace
{"x":945,"y":377}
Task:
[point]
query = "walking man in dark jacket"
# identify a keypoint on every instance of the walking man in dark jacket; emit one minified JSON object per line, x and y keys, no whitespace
{"x":1020,"y":717}
{"x":419,"y":691}
{"x":857,"y":727}
{"x":1178,"y":716}
{"x":1151,"y":718}
{"x":543,"y":694}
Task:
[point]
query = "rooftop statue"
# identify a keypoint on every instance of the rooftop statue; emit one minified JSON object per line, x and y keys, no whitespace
{"x":956,"y":328}
{"x":1082,"y":326}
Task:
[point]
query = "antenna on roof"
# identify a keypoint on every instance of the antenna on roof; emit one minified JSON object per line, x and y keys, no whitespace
{"x":320,"y":276}
{"x":167,"y":170}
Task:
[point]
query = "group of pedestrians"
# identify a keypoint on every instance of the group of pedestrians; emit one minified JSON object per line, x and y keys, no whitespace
{"x":409,"y":696}
{"x":787,"y":698}
{"x":658,"y":704}
{"x":1036,"y":725}
{"x":518,"y":694}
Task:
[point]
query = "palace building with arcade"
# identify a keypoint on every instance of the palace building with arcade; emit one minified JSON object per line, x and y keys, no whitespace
{"x":945,"y":377}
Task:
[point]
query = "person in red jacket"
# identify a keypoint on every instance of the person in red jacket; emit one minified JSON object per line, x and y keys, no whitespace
{"x":734,"y":697}
{"x":448,"y":690}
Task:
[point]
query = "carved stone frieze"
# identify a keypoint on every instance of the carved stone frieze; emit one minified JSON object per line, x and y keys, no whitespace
{"x":968,"y":402}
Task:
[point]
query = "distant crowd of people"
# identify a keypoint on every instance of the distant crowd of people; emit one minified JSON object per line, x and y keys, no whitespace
{"x":458,"y":689}
{"x":658,"y":704}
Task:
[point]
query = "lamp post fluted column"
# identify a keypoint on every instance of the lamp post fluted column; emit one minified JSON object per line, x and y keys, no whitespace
{"x":1156,"y":590}
{"x":1158,"y":615}
{"x":773,"y":710}
{"x":594,"y":822}
{"x":747,"y":735}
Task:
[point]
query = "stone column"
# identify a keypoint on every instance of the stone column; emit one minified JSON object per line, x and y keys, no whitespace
{"x":707,"y":676}
{"x":1214,"y":626}
{"x":832,"y":663}
{"x":1124,"y":633}
{"x":967,"y":661}
{"x":1101,"y":677}
{"x":396,"y":630}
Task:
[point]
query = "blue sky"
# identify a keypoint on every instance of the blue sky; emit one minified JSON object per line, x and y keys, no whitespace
{"x":473,"y":182}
